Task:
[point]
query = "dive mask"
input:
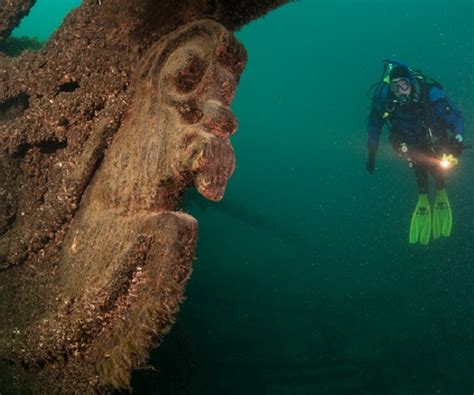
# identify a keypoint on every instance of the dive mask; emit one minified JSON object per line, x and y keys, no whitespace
{"x":401,"y":88}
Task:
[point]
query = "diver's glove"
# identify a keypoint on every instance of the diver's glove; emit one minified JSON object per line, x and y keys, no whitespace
{"x":457,"y":145}
{"x":370,"y":165}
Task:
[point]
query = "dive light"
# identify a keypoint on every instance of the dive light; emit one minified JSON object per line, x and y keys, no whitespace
{"x":448,"y":161}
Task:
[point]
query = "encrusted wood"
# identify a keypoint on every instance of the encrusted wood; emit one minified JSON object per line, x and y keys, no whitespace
{"x":100,"y":134}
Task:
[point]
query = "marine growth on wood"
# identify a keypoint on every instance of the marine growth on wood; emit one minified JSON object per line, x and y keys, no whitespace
{"x":101,"y":131}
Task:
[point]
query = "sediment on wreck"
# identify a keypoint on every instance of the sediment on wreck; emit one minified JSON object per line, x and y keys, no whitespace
{"x":100,"y":133}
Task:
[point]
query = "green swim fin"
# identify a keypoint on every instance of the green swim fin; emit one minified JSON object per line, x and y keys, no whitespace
{"x":420,"y":227}
{"x":442,"y":215}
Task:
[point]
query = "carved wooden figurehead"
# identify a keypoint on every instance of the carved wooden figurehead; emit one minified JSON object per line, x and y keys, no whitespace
{"x":100,"y":134}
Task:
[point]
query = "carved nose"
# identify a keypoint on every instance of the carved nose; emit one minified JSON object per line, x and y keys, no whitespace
{"x":219,"y":119}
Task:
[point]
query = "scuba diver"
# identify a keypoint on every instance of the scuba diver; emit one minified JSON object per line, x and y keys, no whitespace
{"x":427,"y":130}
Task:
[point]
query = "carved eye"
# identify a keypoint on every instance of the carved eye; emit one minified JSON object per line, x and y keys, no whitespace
{"x":185,"y":69}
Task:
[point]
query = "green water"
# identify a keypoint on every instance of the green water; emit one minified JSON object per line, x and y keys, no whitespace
{"x":304,"y":281}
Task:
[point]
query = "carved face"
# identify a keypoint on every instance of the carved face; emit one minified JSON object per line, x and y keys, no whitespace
{"x":198,"y":82}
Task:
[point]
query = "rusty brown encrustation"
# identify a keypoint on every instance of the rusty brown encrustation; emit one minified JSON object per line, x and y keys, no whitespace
{"x":100,"y":134}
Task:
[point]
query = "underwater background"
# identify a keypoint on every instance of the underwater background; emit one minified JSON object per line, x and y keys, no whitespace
{"x":304,"y":281}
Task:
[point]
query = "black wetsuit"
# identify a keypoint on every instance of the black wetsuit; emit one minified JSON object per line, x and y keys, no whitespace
{"x":422,"y":125}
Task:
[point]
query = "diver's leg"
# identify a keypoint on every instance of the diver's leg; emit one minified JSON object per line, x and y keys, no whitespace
{"x":421,"y":174}
{"x":439,"y":177}
{"x":442,"y":215}
{"x":420,"y":226}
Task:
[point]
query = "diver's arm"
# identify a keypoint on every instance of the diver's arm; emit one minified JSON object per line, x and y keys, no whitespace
{"x":452,"y":117}
{"x":444,"y":111}
{"x":374,"y":129}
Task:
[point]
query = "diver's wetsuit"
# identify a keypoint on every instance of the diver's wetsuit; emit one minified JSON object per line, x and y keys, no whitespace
{"x":420,"y":124}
